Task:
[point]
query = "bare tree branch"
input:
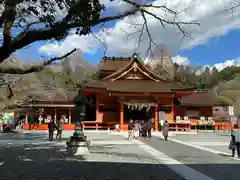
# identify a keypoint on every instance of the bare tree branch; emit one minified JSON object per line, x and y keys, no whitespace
{"x":145,"y":9}
{"x":35,"y":68}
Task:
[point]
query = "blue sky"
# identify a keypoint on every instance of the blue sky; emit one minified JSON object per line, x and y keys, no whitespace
{"x":208,"y":51}
{"x":216,"y":50}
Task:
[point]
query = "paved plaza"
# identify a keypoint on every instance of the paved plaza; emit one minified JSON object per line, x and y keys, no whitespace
{"x":30,"y":156}
{"x":216,"y":142}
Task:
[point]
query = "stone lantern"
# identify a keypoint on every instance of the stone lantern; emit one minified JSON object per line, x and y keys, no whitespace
{"x":78,"y":144}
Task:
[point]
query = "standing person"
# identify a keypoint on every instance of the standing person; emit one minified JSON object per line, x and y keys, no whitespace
{"x":144,"y":129}
{"x":136,"y":130}
{"x":130,"y":129}
{"x":51,"y":129}
{"x":149,"y":128}
{"x":59,"y":129}
{"x":141,"y":124}
{"x":232,"y":145}
{"x":236,"y":134}
{"x":165,"y":130}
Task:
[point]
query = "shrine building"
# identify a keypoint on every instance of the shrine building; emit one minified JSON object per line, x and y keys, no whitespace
{"x":126,"y":89}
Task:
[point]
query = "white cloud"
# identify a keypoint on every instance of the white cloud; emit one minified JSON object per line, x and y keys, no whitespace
{"x":213,"y":19}
{"x":86,"y":43}
{"x":227,"y":63}
{"x":181,"y":60}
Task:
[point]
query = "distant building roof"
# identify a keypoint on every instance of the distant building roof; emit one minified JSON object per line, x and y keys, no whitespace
{"x":113,"y":63}
{"x":205,"y":98}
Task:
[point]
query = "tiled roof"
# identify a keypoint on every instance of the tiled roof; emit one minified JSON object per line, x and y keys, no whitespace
{"x":201,"y":98}
{"x":113,"y":63}
{"x":53,"y":96}
{"x":136,"y":86}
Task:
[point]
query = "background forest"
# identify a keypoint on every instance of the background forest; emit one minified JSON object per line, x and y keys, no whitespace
{"x":74,"y":71}
{"x":204,"y":77}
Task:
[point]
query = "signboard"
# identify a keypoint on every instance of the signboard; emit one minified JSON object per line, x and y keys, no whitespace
{"x":230,"y":110}
{"x":233,"y":119}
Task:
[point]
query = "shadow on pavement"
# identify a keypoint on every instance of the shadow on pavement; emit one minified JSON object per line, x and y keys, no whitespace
{"x":22,"y":136}
{"x":30,"y":162}
{"x":34,"y":162}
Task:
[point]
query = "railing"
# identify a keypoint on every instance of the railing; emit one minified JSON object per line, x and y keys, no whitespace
{"x":180,"y":126}
{"x":99,"y":125}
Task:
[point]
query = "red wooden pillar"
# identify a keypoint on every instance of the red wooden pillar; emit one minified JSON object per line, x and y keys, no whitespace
{"x":156,"y":117}
{"x":121,"y":116}
{"x":173,"y":114}
{"x":173,"y":110}
{"x":97,"y":107}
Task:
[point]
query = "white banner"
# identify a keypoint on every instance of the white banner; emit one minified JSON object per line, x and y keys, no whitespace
{"x":230,"y":110}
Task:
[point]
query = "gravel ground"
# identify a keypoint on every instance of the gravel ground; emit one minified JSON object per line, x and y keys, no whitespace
{"x":31,"y":157}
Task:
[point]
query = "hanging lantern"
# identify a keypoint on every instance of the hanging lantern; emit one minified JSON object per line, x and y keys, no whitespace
{"x":132,"y":107}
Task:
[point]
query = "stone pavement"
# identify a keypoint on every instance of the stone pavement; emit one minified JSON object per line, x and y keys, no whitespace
{"x":217,"y":142}
{"x":31,"y":156}
{"x":214,"y":165}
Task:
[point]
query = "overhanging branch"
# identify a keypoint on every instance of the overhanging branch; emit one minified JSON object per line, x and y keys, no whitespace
{"x":34,"y":68}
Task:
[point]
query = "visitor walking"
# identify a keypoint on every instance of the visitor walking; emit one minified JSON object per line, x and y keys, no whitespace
{"x":144,"y":129}
{"x":136,"y":130}
{"x":59,"y":129}
{"x":130,"y":129}
{"x":141,"y":125}
{"x":149,"y":128}
{"x":236,"y":138}
{"x":165,"y":130}
{"x":232,"y":145}
{"x":51,"y":129}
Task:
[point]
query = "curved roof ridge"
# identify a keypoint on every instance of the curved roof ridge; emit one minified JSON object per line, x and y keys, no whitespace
{"x":143,"y":66}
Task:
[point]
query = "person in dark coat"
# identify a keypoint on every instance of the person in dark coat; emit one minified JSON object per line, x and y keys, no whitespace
{"x":165,"y":130}
{"x":144,"y":129}
{"x":232,"y":145}
{"x":51,"y":128}
{"x":149,"y":128}
{"x":236,"y":141}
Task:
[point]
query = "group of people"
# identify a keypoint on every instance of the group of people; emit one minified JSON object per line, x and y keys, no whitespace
{"x":139,"y":128}
{"x":144,"y":128}
{"x":235,"y":141}
{"x":52,"y":126}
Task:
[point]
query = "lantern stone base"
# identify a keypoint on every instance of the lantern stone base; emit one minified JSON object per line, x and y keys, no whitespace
{"x":77,"y":145}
